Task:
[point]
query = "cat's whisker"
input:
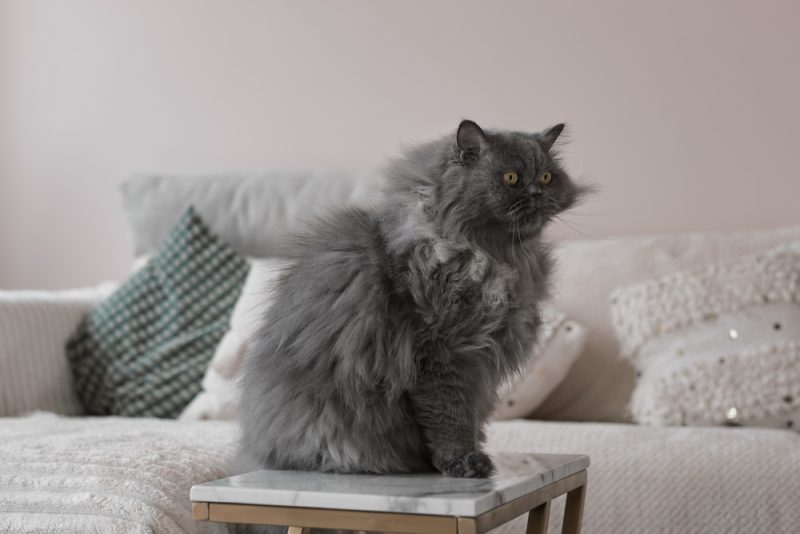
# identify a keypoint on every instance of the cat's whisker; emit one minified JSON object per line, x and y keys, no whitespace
{"x":571,"y":227}
{"x":570,"y":213}
{"x":513,"y":252}
{"x":580,"y":224}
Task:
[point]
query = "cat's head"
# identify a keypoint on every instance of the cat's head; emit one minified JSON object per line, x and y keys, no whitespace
{"x":502,"y":184}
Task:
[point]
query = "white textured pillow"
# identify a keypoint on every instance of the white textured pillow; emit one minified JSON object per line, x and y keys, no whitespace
{"x":34,"y":326}
{"x":218,"y":398}
{"x":561,"y":341}
{"x":718,"y":345}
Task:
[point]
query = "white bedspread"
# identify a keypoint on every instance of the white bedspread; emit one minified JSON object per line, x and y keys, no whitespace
{"x":133,"y":475}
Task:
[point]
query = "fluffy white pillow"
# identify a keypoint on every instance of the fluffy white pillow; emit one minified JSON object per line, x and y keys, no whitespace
{"x":34,"y":326}
{"x":717,"y":345}
{"x":561,"y":341}
{"x":218,"y":398}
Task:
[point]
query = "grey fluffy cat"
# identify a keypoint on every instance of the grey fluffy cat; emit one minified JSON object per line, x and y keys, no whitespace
{"x":392,"y":328}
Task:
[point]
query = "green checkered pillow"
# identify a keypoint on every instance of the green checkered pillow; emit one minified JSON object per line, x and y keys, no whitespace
{"x":143,"y":352}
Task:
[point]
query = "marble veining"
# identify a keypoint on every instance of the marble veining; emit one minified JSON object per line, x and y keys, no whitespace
{"x":428,"y":493}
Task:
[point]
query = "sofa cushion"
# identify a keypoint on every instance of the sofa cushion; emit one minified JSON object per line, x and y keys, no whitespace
{"x":144,"y":350}
{"x":251,"y":212}
{"x":669,"y":479}
{"x":34,"y":326}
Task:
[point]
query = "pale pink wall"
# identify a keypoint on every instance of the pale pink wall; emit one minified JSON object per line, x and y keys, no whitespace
{"x":685,"y":111}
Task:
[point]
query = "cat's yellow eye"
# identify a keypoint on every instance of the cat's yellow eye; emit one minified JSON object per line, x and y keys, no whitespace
{"x":510,"y":178}
{"x":545,"y":178}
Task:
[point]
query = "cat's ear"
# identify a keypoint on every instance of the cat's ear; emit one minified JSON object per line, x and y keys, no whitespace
{"x":549,"y":136}
{"x":470,"y":140}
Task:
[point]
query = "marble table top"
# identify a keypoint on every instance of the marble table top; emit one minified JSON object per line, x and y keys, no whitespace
{"x":427,"y":493}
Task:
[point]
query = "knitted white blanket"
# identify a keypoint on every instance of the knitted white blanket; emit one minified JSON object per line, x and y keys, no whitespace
{"x":109,"y":475}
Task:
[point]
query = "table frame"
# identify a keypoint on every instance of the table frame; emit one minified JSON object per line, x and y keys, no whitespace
{"x":300,"y":520}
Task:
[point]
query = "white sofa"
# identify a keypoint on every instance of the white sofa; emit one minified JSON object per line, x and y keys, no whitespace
{"x":78,"y":474}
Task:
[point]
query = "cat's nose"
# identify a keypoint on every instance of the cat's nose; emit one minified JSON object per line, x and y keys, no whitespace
{"x":536,"y":193}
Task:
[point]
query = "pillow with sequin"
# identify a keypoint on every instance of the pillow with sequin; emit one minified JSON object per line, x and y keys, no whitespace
{"x":561,"y":341}
{"x":144,"y":350}
{"x":717,"y":345}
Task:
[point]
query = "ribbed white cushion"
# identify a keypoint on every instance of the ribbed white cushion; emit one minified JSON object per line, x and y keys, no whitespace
{"x":34,"y":326}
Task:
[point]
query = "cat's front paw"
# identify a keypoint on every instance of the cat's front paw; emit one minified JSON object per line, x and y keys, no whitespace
{"x":471,"y":465}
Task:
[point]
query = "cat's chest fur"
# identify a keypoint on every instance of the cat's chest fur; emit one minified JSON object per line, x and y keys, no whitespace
{"x":515,"y":277}
{"x":486,"y":298}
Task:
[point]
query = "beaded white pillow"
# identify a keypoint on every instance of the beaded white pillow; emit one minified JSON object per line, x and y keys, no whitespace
{"x":717,"y":345}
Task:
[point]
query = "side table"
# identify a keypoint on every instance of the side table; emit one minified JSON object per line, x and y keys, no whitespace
{"x":415,"y":503}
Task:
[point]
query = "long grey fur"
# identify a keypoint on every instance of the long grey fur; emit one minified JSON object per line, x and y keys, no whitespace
{"x":393,"y":325}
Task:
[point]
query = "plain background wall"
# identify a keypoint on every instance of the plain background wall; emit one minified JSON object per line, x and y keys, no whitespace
{"x":685,"y":112}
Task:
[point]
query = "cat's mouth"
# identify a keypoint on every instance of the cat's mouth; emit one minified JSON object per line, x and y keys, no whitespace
{"x":533,"y":213}
{"x":528,"y":223}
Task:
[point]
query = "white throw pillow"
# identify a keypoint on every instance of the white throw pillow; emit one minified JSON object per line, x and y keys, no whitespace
{"x":34,"y":326}
{"x":218,"y":398}
{"x":560,"y":343}
{"x":717,"y":345}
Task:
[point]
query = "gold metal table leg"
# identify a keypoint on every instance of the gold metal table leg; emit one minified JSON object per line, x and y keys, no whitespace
{"x":538,"y":519}
{"x":573,"y":511}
